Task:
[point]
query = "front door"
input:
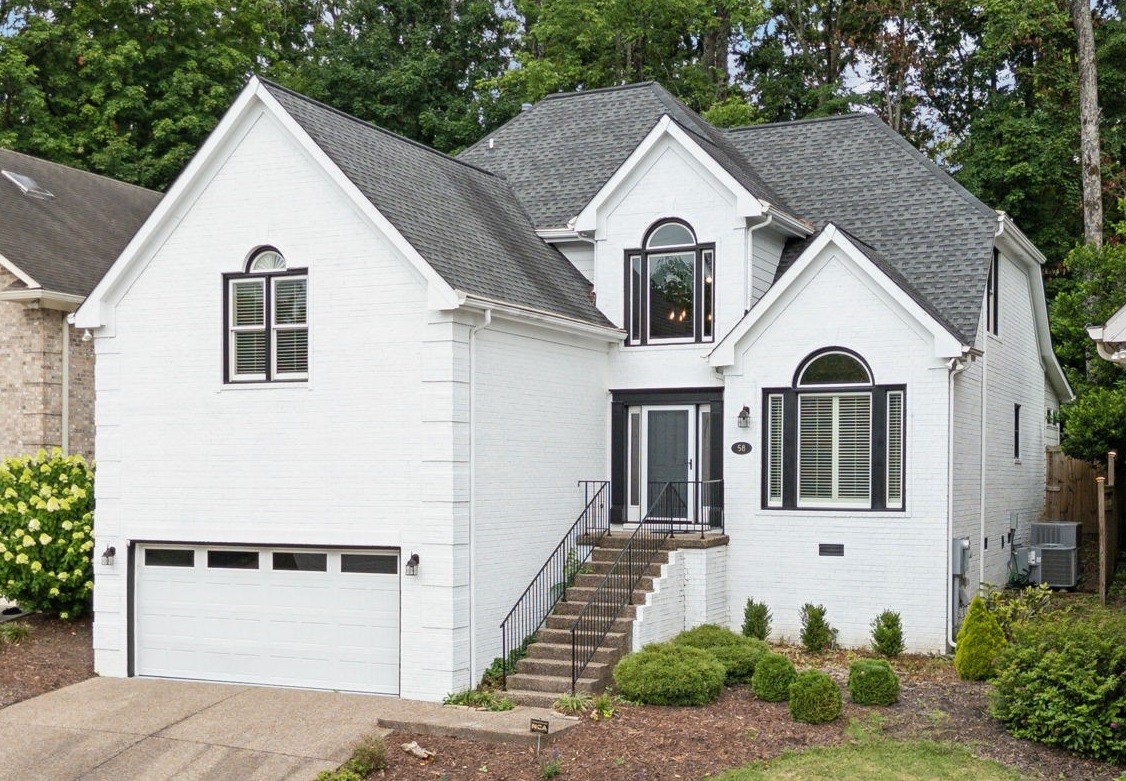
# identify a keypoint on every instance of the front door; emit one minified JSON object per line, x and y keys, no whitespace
{"x":662,"y":462}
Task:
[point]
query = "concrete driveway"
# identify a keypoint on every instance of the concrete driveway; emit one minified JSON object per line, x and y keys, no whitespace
{"x":118,"y":729}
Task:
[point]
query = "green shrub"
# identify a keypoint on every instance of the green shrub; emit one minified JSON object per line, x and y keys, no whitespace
{"x":479,"y":698}
{"x":46,"y":524}
{"x":815,"y":698}
{"x":737,"y":654}
{"x":873,"y":682}
{"x":1015,"y":606}
{"x":1063,"y":682}
{"x":14,"y":632}
{"x":773,"y":675}
{"x":979,"y":641}
{"x":887,"y":634}
{"x":816,"y":633}
{"x":670,"y":674}
{"x":756,"y":620}
{"x":369,"y":756}
{"x":572,"y":703}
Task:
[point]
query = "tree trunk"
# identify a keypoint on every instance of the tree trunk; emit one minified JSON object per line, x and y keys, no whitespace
{"x":1091,"y":156}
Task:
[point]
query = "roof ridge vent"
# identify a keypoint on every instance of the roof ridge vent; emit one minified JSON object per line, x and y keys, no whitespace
{"x":28,"y":186}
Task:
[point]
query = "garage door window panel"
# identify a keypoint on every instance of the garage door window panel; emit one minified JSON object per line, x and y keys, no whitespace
{"x":169,"y":557}
{"x":368,"y":564}
{"x":285,"y":561}
{"x":232,"y":559}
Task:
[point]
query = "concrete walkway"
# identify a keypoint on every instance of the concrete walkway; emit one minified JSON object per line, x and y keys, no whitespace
{"x":119,"y":729}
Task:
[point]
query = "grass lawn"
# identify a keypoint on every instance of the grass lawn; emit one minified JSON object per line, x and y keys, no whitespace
{"x":880,"y":760}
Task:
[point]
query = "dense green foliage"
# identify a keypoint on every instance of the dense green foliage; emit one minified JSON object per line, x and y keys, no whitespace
{"x":1062,"y":681}
{"x":737,"y":654}
{"x":872,"y":682}
{"x":485,"y":699}
{"x":1016,"y":606}
{"x":670,"y":674}
{"x":816,"y":633}
{"x":756,"y":620}
{"x":887,"y":634}
{"x":46,"y":537}
{"x":815,"y":698}
{"x":979,"y":641}
{"x":773,"y":675}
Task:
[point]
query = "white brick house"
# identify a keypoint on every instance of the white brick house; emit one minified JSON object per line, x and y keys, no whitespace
{"x":331,"y":351}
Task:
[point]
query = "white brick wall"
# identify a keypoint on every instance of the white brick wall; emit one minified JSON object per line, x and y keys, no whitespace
{"x":691,"y":590}
{"x":662,"y":616}
{"x":893,"y":560}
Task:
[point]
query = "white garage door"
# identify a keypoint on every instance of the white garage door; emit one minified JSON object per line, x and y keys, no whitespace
{"x":322,"y":619}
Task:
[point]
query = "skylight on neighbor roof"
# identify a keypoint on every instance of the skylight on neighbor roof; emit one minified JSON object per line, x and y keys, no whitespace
{"x":27,"y":185}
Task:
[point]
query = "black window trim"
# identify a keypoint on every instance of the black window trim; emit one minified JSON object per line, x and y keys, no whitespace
{"x":269,"y":313}
{"x":1016,"y":432}
{"x":643,"y":252}
{"x":878,"y":475}
{"x":993,"y":296}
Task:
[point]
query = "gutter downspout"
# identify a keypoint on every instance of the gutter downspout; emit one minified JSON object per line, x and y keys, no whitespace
{"x":981,"y":495}
{"x":955,"y":366}
{"x":748,"y":253}
{"x":65,"y":423}
{"x":488,"y":320}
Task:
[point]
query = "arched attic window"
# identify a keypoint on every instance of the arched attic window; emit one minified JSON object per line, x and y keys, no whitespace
{"x":671,"y":296}
{"x":834,"y":439}
{"x":266,"y":318}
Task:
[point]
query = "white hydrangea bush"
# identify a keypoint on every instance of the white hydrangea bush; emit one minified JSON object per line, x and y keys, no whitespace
{"x":46,"y":532}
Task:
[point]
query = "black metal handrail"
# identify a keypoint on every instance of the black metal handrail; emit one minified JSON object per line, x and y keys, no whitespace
{"x":689,"y":504}
{"x":550,"y":584}
{"x":594,"y":622}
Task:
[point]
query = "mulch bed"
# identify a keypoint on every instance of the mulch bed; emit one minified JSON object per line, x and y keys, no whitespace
{"x":57,"y":653}
{"x":662,"y":744}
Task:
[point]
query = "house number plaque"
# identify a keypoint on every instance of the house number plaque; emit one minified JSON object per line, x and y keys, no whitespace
{"x":740,"y":448}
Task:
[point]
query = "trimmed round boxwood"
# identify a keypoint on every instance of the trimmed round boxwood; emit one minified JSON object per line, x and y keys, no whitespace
{"x":670,"y":674}
{"x":773,"y":675}
{"x":873,"y":682}
{"x":738,"y":654}
{"x":815,"y":698}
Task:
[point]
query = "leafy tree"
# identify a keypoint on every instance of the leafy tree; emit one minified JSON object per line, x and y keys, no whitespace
{"x":585,"y":44}
{"x":130,"y":90}
{"x":411,"y":66}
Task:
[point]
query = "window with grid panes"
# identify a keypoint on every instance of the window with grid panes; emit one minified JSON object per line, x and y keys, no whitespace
{"x":266,"y":321}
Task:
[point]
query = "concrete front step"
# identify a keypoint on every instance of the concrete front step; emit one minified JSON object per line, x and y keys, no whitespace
{"x":597,"y":579}
{"x":574,"y":607}
{"x":533,"y":699}
{"x":600,"y":568}
{"x":609,"y":554}
{"x":562,"y":637}
{"x":560,"y":668}
{"x":552,"y":684}
{"x":584,"y":594}
{"x":623,"y":625}
{"x":608,"y":653}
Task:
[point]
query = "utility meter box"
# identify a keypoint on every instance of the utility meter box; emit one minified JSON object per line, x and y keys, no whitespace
{"x":959,"y":555}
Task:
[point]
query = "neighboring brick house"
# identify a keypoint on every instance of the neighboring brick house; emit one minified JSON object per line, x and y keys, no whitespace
{"x":60,"y":229}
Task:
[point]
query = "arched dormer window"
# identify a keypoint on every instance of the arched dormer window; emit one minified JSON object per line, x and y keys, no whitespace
{"x":671,"y":287}
{"x":834,"y":439}
{"x":266,"y":318}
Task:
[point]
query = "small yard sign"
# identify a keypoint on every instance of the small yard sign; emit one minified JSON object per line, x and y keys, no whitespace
{"x":539,"y":726}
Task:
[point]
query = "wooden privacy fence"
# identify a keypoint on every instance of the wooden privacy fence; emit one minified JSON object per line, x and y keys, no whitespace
{"x":1080,"y":491}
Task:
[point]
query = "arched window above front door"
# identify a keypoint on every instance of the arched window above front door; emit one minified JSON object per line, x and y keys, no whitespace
{"x":671,"y":287}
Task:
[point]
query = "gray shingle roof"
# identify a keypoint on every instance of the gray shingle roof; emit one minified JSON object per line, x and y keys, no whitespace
{"x":465,"y":222}
{"x":857,"y":173}
{"x":559,"y":153}
{"x":68,"y":242}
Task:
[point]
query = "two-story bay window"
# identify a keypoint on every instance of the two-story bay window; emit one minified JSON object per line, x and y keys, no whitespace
{"x":266,"y":321}
{"x":670,"y":287}
{"x":834,"y":439}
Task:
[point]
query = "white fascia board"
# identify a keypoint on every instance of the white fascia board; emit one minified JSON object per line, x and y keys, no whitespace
{"x":542,"y":318}
{"x":17,"y":272}
{"x":97,"y":312}
{"x":946,"y":345}
{"x":43,"y":299}
{"x":561,"y":235}
{"x":1016,"y":245}
{"x":746,"y":205}
{"x":1115,"y":328}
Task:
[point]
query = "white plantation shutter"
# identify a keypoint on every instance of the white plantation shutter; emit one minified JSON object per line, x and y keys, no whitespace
{"x":853,"y":447}
{"x":291,"y":329}
{"x":835,"y":448}
{"x":248,"y":329}
{"x":815,"y":447}
{"x":895,"y":449}
{"x":775,"y":445}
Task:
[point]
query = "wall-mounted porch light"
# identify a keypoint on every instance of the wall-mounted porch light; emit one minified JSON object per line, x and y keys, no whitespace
{"x":108,"y":554}
{"x":412,"y":564}
{"x":744,"y":417}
